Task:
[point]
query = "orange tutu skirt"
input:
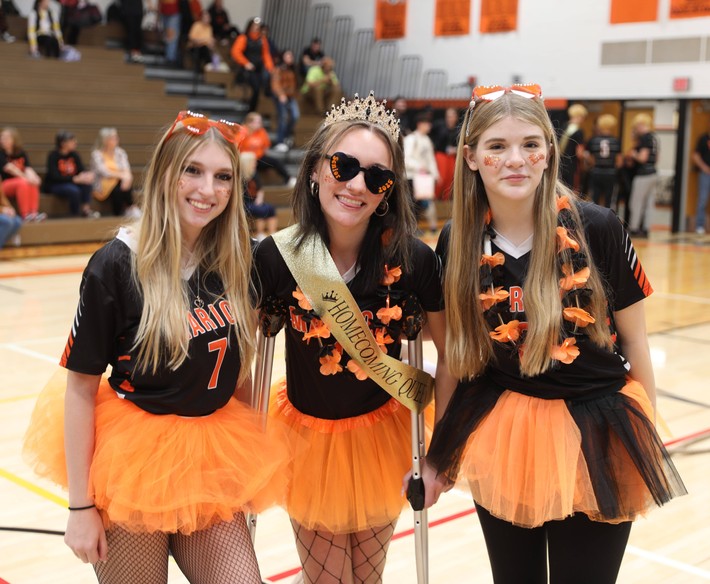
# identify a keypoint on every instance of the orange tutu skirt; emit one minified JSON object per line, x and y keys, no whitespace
{"x":347,"y":474}
{"x":534,"y":460}
{"x":165,"y":472}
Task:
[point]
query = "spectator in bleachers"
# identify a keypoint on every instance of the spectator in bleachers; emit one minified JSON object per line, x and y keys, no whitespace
{"x":171,"y":18}
{"x":321,"y":85}
{"x":4,"y":33}
{"x":67,"y":178}
{"x":273,"y":49}
{"x":311,"y":55}
{"x":19,"y":180}
{"x":132,"y":18}
{"x":201,"y":42}
{"x":445,"y":137}
{"x":10,"y":223}
{"x":258,"y":142}
{"x":223,"y":30}
{"x":251,"y":52}
{"x":284,"y":89}
{"x":113,"y":179}
{"x":75,"y":15}
{"x":262,"y":213}
{"x":44,"y":32}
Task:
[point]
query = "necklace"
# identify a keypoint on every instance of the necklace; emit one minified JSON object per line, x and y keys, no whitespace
{"x":198,"y":302}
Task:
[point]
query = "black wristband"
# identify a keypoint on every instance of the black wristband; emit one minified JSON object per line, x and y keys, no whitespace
{"x":92,"y":506}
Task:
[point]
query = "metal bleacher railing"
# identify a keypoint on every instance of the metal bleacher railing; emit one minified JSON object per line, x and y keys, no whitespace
{"x":362,"y":64}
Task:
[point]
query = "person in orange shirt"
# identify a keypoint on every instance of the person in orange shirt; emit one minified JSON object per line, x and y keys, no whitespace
{"x":258,"y":142}
{"x":251,"y":52}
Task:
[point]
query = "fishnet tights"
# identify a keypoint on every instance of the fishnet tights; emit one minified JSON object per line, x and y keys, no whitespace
{"x":223,"y":553}
{"x":350,"y":558}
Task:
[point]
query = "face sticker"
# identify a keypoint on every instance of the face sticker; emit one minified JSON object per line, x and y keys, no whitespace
{"x":490,"y":160}
{"x":537,"y":157}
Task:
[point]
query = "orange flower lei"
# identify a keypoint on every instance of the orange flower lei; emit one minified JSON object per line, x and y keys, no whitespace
{"x":573,"y":290}
{"x":331,"y":353}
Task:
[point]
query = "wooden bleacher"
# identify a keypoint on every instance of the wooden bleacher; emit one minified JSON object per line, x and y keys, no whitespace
{"x":42,"y":96}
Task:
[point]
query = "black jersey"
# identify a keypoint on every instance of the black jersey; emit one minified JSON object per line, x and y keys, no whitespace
{"x":105,"y":327}
{"x":341,"y":394}
{"x":605,"y":150}
{"x":650,"y":142}
{"x":596,"y":370}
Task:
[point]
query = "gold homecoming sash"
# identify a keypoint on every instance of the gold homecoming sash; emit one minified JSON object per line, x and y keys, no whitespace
{"x":318,"y":277}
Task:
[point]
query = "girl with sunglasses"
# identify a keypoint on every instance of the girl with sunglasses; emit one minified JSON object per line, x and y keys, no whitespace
{"x":159,"y":456}
{"x":552,"y":422}
{"x":350,"y":438}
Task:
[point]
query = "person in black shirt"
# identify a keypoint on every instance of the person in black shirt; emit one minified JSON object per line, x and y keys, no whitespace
{"x":160,"y":456}
{"x":572,"y":146}
{"x":604,"y":154}
{"x":643,"y":187}
{"x":352,"y":438}
{"x":311,"y":55}
{"x":67,"y":177}
{"x":552,"y":423}
{"x":701,"y":158}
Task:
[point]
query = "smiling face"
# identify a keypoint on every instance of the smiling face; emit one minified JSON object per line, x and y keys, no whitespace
{"x":510,"y":157}
{"x":348,"y":205}
{"x":204,"y":189}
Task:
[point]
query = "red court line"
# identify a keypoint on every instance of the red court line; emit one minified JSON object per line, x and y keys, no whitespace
{"x":52,"y":272}
{"x":471,"y":511}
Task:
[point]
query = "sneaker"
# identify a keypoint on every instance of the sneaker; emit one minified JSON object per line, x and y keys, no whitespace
{"x":40,"y":217}
{"x":281,"y":147}
{"x":700,"y":231}
{"x":30,"y":217}
{"x":91,"y":214}
{"x":8,"y":38}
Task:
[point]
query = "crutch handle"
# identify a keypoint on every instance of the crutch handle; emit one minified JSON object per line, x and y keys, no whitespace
{"x":415,"y":493}
{"x":272,"y":316}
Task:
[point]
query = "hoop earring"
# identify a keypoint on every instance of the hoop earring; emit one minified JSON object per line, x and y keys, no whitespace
{"x":383,"y":208}
{"x":315,"y":189}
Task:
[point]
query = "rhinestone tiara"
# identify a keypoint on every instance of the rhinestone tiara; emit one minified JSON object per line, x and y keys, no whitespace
{"x":369,"y":110}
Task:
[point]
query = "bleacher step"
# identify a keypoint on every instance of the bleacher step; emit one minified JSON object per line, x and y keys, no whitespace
{"x":69,"y":230}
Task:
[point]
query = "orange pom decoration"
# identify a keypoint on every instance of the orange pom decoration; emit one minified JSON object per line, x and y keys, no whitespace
{"x":578,"y":316}
{"x":566,"y":352}
{"x":330,"y":364}
{"x":302,"y":300}
{"x":564,"y":241}
{"x":573,"y":280}
{"x":509,"y":331}
{"x":391,"y":275}
{"x":497,"y":259}
{"x":488,"y":299}
{"x":356,"y":370}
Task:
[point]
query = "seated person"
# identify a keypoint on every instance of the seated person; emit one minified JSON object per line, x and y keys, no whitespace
{"x":258,"y":142}
{"x":43,"y":31}
{"x":311,"y":55}
{"x":113,"y":179}
{"x":67,"y":178}
{"x":200,"y":40}
{"x":222,"y":30}
{"x":263,"y":214}
{"x":322,"y":86}
{"x":19,"y":180}
{"x":10,"y":223}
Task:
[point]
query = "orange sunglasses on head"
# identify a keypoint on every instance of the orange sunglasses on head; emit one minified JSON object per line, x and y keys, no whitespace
{"x":493,"y":92}
{"x":197,"y":124}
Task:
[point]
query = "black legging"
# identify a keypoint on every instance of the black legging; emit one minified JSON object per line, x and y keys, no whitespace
{"x":580,"y":551}
{"x":120,"y":199}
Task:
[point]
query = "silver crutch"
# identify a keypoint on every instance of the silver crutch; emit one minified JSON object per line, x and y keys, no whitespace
{"x":272,"y":317}
{"x":415,"y":490}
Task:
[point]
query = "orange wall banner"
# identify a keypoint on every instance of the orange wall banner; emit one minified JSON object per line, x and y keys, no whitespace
{"x":499,"y":15}
{"x":633,"y":11}
{"x":690,"y":8}
{"x":452,"y":17}
{"x":390,"y":19}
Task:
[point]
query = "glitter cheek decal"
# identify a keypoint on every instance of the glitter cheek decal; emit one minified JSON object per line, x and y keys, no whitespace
{"x":490,"y":160}
{"x":535,"y":158}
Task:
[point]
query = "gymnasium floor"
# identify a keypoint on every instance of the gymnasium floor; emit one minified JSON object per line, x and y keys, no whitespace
{"x":37,"y":302}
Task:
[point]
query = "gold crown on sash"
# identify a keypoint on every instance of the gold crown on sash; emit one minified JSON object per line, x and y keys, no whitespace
{"x":369,"y":110}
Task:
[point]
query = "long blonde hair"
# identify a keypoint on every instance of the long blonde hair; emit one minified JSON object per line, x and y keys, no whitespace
{"x":222,"y":248}
{"x":468,"y":344}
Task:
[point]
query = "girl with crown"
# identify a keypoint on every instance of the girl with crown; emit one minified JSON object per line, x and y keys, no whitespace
{"x":351,"y":439}
{"x":159,"y":456}
{"x":552,"y":422}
